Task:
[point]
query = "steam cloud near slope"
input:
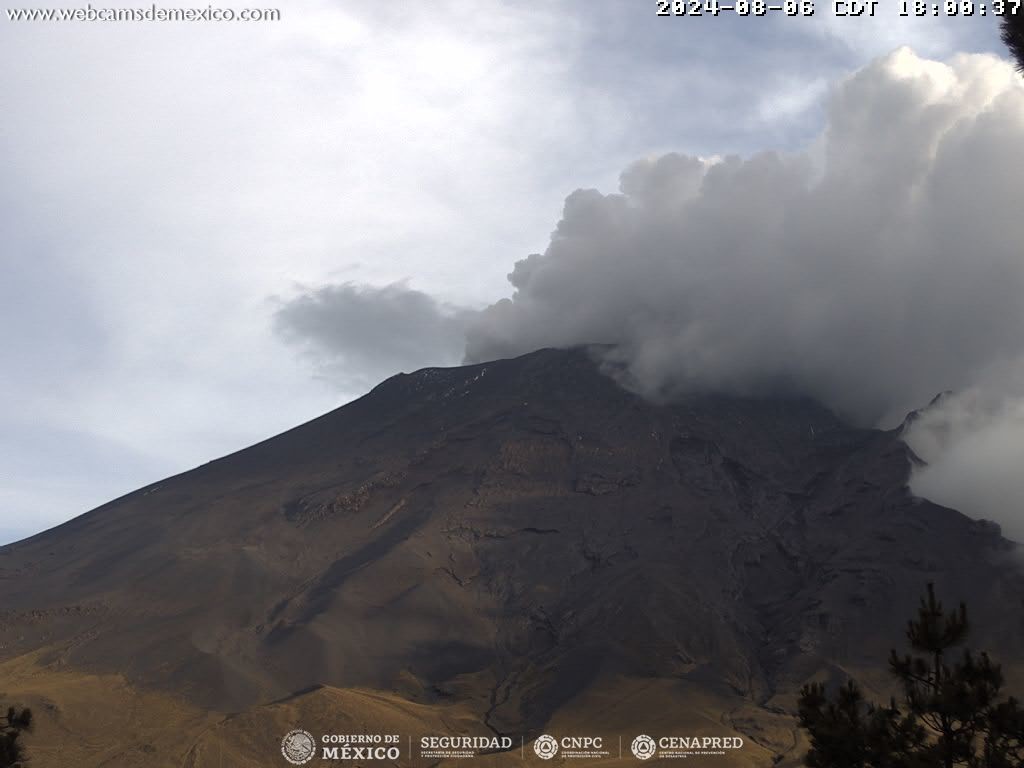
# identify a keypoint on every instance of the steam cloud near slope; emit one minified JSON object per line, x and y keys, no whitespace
{"x":973,"y":442}
{"x":882,"y":265}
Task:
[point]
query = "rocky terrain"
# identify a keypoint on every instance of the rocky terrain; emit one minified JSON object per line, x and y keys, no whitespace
{"x":515,"y":547}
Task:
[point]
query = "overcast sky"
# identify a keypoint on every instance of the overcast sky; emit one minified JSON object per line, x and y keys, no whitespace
{"x":192,"y":215}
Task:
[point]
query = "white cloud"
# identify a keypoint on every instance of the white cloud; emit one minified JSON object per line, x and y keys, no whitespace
{"x":972,"y":442}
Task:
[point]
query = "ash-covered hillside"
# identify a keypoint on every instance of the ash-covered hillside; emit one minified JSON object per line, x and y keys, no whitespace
{"x":517,"y":537}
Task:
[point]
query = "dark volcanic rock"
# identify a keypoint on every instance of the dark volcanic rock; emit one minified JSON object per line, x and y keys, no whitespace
{"x":511,"y":533}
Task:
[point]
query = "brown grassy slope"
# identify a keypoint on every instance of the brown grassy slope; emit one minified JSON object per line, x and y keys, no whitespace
{"x":511,"y":539}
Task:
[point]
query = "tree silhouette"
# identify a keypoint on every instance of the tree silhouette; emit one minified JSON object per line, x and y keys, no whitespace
{"x":951,"y":715}
{"x":12,"y":752}
{"x":1012,"y":33}
{"x":849,"y":733}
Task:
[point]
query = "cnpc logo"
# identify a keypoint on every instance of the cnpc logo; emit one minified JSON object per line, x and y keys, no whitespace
{"x":546,"y":746}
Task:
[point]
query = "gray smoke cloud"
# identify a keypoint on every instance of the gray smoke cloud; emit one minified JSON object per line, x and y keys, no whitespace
{"x":875,"y":269}
{"x":360,"y":334}
{"x":882,"y":265}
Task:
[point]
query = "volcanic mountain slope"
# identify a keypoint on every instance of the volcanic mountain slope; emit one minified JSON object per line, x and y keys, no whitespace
{"x":523,"y":543}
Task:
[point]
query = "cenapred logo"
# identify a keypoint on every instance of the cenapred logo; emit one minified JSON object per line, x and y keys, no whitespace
{"x":643,"y":747}
{"x":546,"y":747}
{"x":298,"y":746}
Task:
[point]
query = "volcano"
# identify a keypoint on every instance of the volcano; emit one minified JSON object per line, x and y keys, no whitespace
{"x":504,"y":549}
